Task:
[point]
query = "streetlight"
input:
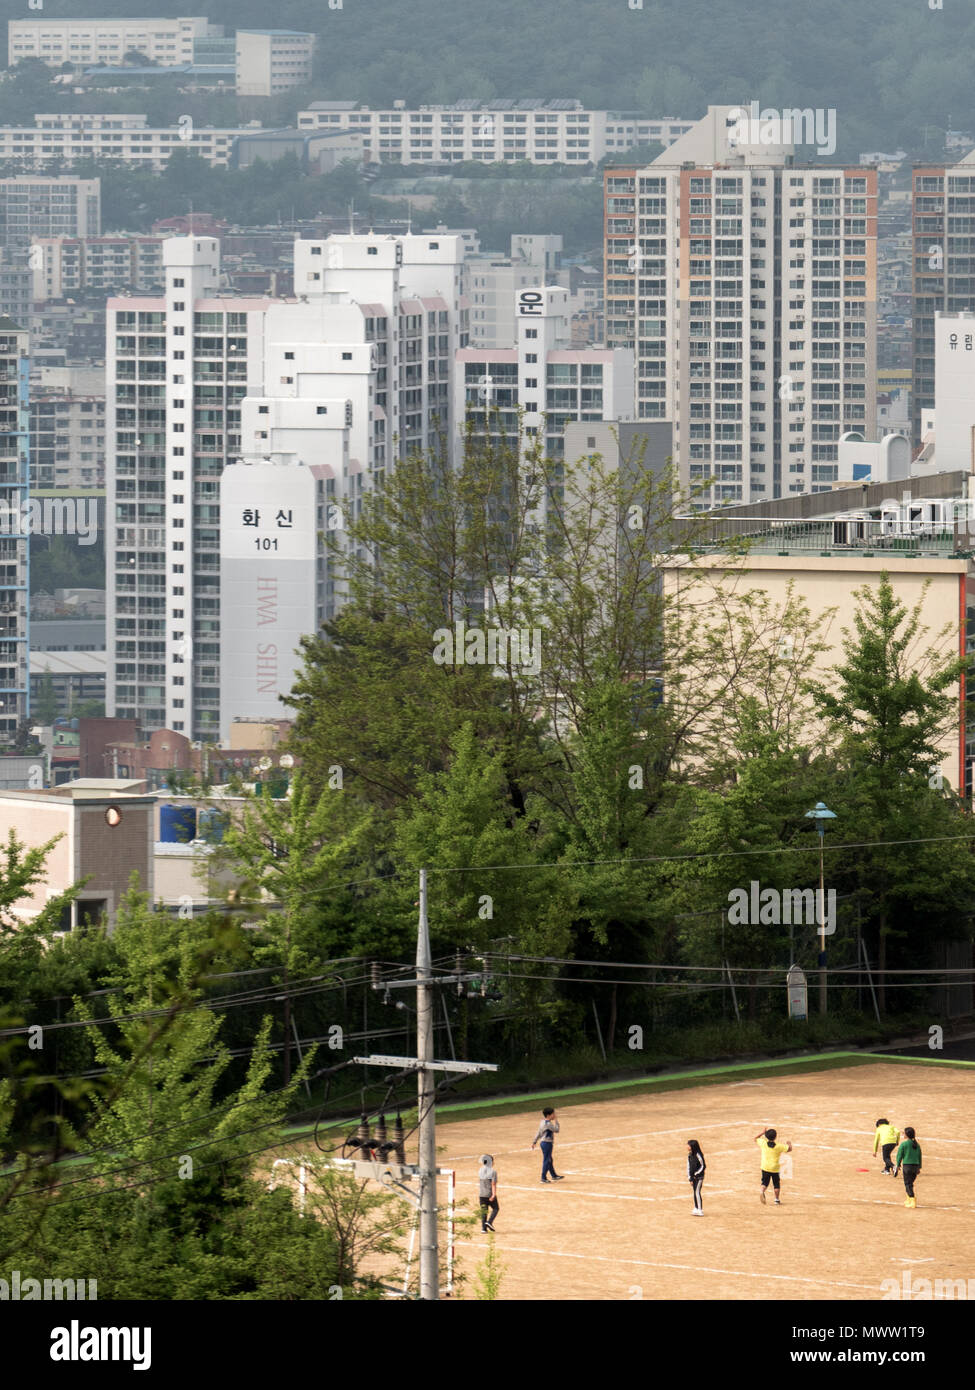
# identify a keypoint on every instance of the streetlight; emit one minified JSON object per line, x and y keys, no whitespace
{"x":821,"y":814}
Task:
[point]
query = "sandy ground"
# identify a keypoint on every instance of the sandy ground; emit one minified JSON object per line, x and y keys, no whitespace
{"x":621,"y":1226}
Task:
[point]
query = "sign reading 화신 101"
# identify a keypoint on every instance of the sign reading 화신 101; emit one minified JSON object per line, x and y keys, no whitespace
{"x":267,"y":585}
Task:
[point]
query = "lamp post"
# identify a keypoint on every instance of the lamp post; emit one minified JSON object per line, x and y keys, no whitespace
{"x":821,"y":814}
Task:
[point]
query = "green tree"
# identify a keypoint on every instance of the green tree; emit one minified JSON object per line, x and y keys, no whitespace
{"x":888,"y":709}
{"x":47,"y":705}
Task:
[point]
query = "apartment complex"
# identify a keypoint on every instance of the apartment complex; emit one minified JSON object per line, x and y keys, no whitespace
{"x":494,"y":282}
{"x":543,"y":376}
{"x":167,"y":42}
{"x":357,"y":366}
{"x":177,"y":367}
{"x":14,"y":558}
{"x":271,"y":61}
{"x":561,"y":131}
{"x":63,"y":138}
{"x":48,"y":207}
{"x":746,"y":285}
{"x":357,"y":373}
{"x":64,"y":266}
{"x":943,"y":266}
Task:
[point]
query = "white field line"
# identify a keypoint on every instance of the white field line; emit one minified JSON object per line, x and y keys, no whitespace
{"x":693,"y":1269}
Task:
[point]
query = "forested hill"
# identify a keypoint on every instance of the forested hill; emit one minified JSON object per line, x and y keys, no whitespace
{"x":888,"y":67}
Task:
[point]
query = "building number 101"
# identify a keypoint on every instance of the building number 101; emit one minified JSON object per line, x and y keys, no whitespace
{"x":266,"y":542}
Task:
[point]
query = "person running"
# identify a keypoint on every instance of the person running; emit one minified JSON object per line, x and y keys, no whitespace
{"x":908,"y":1157}
{"x":487,"y":1179}
{"x":771,"y":1152}
{"x":696,"y":1168}
{"x":547,"y":1131}
{"x":885,"y":1138}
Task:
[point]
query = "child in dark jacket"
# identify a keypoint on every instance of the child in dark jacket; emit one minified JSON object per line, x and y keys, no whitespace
{"x":696,"y":1168}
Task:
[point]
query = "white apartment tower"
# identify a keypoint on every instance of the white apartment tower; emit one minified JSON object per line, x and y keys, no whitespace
{"x":356,"y":373}
{"x":552,"y":383}
{"x":177,"y":369}
{"x":746,"y":284}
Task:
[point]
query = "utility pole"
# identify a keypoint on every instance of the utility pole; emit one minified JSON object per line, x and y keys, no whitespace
{"x":429,"y":1273}
{"x":425,"y":1066}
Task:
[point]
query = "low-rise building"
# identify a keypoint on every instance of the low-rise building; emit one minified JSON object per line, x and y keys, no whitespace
{"x":166,"y":42}
{"x":272,"y":61}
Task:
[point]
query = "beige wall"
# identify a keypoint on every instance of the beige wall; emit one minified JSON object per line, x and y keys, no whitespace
{"x":89,"y":845}
{"x":826,"y":583}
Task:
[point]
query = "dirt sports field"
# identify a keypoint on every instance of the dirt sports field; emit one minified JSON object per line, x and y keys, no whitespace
{"x":620,"y":1225}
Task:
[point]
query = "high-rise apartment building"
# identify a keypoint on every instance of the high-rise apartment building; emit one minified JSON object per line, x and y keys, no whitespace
{"x":14,"y":559}
{"x":352,"y":372}
{"x":494,"y":281}
{"x":67,"y":427}
{"x":746,"y":285}
{"x":62,"y":266}
{"x":177,"y":368}
{"x":36,"y":206}
{"x":543,"y":376}
{"x":944,"y":266}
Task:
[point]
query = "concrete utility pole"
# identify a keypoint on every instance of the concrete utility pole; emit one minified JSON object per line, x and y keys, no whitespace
{"x":425,"y":1066}
{"x":429,"y":1273}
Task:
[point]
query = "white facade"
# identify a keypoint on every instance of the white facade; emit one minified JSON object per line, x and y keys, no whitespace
{"x":355,"y":367}
{"x":63,"y":138}
{"x":954,"y":357}
{"x":358,"y":372}
{"x":551,"y":382}
{"x":105,"y":42}
{"x":494,"y":282}
{"x":271,"y":61}
{"x":556,"y":132}
{"x":177,"y":368}
{"x":269,"y":521}
{"x":747,"y":286}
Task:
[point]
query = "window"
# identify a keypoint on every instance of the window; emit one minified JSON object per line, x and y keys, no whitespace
{"x":531,"y":332}
{"x":289,"y":357}
{"x":346,"y":357}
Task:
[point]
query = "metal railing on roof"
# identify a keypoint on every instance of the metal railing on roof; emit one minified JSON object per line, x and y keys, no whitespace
{"x":829,"y":535}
